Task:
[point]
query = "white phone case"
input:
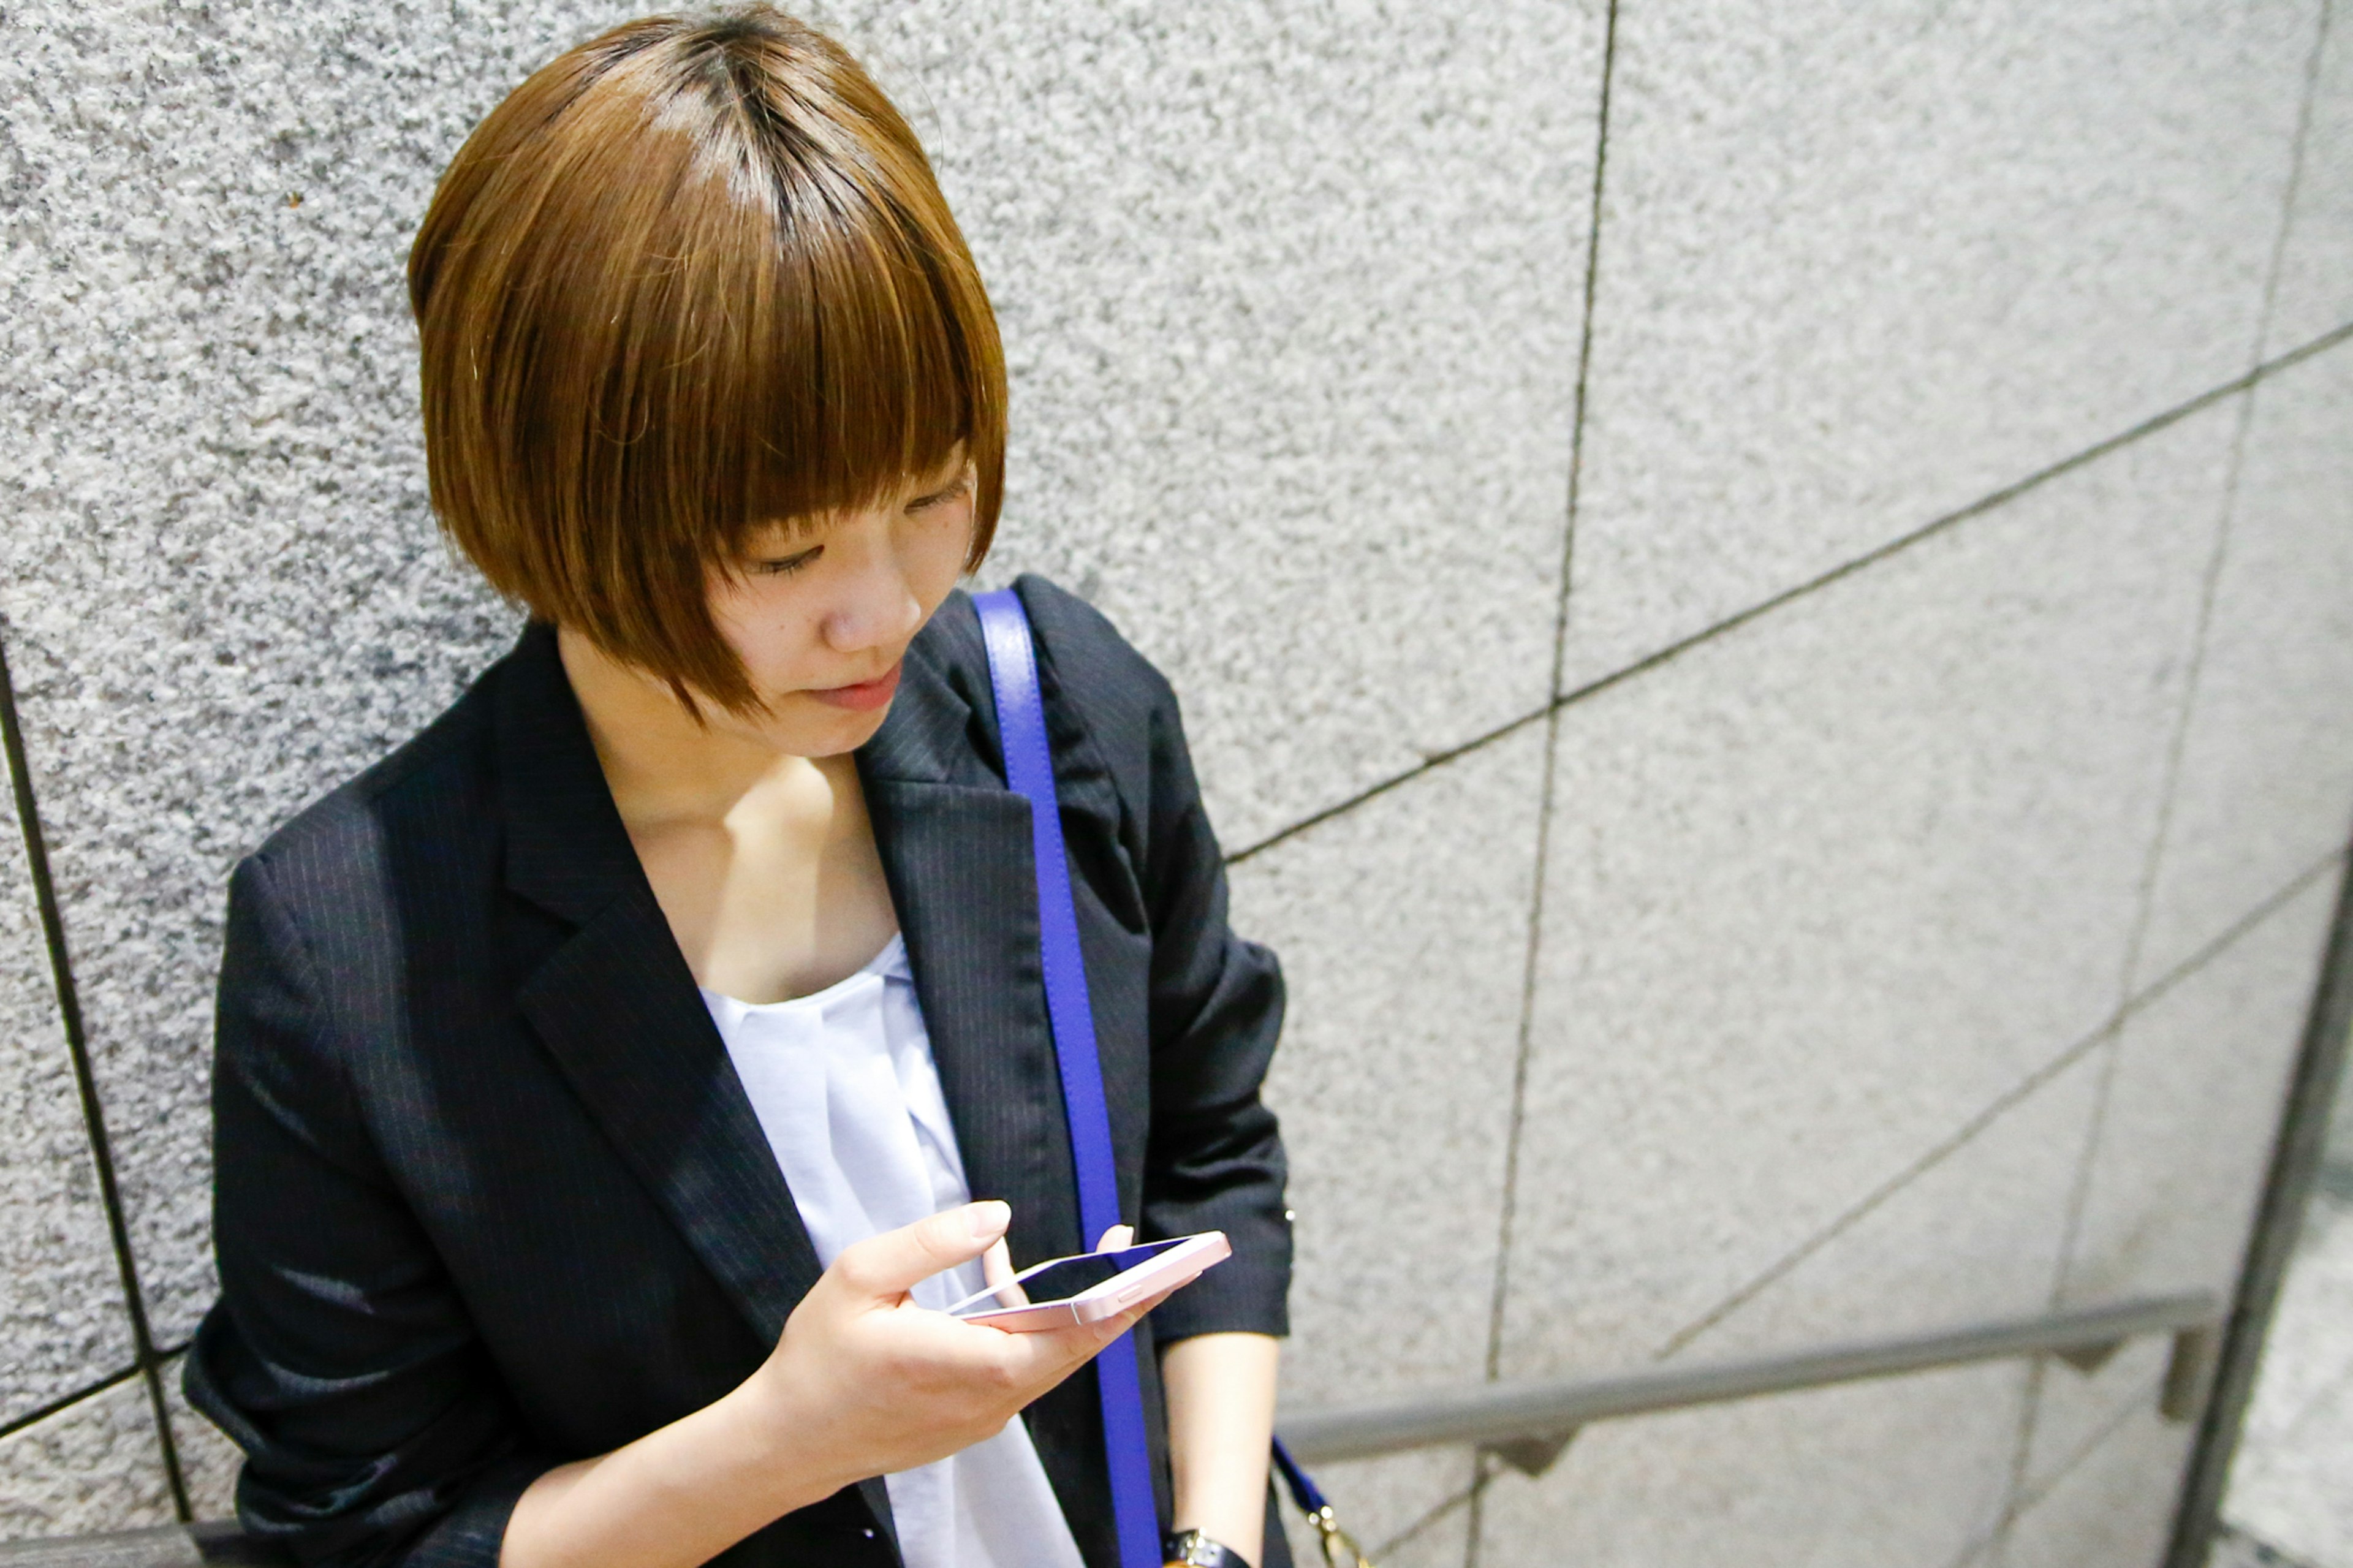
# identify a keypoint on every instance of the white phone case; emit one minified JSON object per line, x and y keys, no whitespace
{"x":1190,"y":1257}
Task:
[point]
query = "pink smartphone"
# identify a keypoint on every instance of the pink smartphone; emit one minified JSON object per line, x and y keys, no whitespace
{"x":1092,"y":1286}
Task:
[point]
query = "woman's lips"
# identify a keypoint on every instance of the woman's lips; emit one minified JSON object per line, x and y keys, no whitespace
{"x":862,"y":697}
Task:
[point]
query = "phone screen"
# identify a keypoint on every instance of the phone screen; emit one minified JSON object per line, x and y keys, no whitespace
{"x":1063,"y":1277}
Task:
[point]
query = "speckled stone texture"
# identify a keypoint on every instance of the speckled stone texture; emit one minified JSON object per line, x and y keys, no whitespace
{"x":93,"y":1467}
{"x":1910,"y":1471}
{"x":1289,"y":296}
{"x":2266,"y":775}
{"x":1288,"y":299}
{"x":222,"y":592}
{"x":63,"y":1325}
{"x":2192,"y":1104}
{"x":2314,"y":294}
{"x":1825,"y":889}
{"x":1861,"y":265}
{"x":1838,"y":905}
{"x":1403,"y":930}
{"x":2113,"y":1507}
{"x":2288,"y":1484}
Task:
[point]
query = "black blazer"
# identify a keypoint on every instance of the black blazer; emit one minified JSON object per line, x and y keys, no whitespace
{"x":489,"y":1194}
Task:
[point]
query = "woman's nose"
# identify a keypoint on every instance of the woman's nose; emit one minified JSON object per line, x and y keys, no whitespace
{"x":876,"y":607}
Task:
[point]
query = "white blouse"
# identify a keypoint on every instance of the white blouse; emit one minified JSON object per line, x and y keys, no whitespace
{"x":845,"y":1088}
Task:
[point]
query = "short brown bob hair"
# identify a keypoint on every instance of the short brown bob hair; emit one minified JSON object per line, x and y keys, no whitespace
{"x":692,"y":277}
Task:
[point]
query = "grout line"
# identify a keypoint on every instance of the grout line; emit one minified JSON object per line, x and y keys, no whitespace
{"x":1997,"y":1538}
{"x":1584,"y":348}
{"x":1995,"y":1108}
{"x":1763,"y":607}
{"x":1552,"y":749}
{"x":1439,"y":1511}
{"x":1429,"y":763}
{"x":64,"y":1402}
{"x":2177,"y":748}
{"x":1523,"y":1048}
{"x":69,"y":1017}
{"x":2153,"y":863}
{"x":2296,"y":1153}
{"x":2295,"y":177}
{"x":1959,"y":1137}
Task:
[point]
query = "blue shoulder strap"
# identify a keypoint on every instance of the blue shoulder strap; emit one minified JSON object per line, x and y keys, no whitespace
{"x":1030,"y":770}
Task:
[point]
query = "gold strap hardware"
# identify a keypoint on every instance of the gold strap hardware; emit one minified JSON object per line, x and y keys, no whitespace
{"x":1339,"y":1550}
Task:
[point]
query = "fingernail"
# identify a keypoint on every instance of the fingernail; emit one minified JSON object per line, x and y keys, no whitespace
{"x":990,"y":1219}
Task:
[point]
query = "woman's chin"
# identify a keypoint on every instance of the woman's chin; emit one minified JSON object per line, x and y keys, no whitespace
{"x":801,"y":725}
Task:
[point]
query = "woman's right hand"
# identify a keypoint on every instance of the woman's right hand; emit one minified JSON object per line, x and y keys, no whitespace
{"x":864,"y":1383}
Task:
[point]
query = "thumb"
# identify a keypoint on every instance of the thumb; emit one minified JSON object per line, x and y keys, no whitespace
{"x":884,"y":1266}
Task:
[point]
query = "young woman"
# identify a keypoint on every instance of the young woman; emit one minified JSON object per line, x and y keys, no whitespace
{"x":605,"y":1078}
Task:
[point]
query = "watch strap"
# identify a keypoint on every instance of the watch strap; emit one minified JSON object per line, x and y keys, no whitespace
{"x":1195,"y":1550}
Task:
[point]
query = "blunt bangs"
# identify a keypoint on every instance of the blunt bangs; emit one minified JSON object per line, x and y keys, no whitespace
{"x":690,"y":280}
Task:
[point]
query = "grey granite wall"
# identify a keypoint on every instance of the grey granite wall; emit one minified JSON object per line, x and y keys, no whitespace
{"x":1760,"y":591}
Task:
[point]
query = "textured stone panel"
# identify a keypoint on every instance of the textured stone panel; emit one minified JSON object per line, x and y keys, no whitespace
{"x":94,"y":1466}
{"x":1823,"y":889}
{"x":1909,"y":1471}
{"x":2194,"y":1105}
{"x":62,"y":1322}
{"x":2287,"y":1482}
{"x":1403,"y":929}
{"x":1973,"y":1237}
{"x":2266,"y":781}
{"x":1290,"y":296}
{"x":2114,"y":1509}
{"x":2315,"y":292}
{"x":1865,"y":1476}
{"x":2071,"y":1410}
{"x":2194,"y":1109}
{"x":221,"y":586}
{"x":209,"y":1462}
{"x":1286,"y":297}
{"x":1861,"y":265}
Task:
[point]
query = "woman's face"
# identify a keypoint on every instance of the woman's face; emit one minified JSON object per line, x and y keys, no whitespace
{"x":821,"y":614}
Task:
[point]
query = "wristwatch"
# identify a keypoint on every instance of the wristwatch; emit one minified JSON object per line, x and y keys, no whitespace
{"x":1191,"y":1549}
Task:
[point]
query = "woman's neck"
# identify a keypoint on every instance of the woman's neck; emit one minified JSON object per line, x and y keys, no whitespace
{"x":664,"y":766}
{"x":764,"y":861}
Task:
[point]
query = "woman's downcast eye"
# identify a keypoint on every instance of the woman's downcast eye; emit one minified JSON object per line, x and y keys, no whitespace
{"x":786,"y":565}
{"x":956,"y":491}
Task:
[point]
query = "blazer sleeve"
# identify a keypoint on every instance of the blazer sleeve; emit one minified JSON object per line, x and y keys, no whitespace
{"x":340,"y":1356}
{"x":1214,"y":1160}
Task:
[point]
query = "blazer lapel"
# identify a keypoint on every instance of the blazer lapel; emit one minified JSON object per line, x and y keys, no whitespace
{"x":957,"y":860}
{"x":955,"y":843}
{"x":617,"y":1005}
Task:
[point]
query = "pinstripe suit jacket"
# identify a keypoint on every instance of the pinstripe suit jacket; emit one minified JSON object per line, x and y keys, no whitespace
{"x":489,"y":1195}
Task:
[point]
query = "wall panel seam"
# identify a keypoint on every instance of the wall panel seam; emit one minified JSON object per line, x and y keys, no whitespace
{"x":2108,"y":1426}
{"x":2297,"y":1152}
{"x":1541,"y":851}
{"x":69,"y":1017}
{"x":2295,"y":177}
{"x":1995,"y":1108}
{"x":2177,"y":745}
{"x":1902,"y":543}
{"x":65,"y":1401}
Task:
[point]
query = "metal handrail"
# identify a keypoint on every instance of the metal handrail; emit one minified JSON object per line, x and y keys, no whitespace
{"x":1525,"y":1424}
{"x":1528,"y":1423}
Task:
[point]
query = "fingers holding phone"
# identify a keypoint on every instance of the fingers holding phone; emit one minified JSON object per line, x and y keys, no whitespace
{"x":875,"y":1383}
